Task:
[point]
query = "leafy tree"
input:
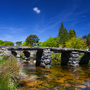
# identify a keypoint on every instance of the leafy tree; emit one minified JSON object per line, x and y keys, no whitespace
{"x":84,"y":37}
{"x":76,"y":43}
{"x":31,"y":40}
{"x":39,"y":44}
{"x":51,"y":42}
{"x":1,"y":42}
{"x":23,"y":44}
{"x":72,"y":33}
{"x":63,"y":34}
{"x":8,"y":43}
{"x":18,"y":43}
{"x":88,"y":39}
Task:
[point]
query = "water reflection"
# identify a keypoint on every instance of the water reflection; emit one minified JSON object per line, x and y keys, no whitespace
{"x":59,"y":77}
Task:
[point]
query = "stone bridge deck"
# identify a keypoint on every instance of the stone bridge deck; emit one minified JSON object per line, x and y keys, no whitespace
{"x":51,"y":49}
{"x":68,"y":56}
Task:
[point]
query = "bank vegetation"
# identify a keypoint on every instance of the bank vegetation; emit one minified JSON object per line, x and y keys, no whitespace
{"x":9,"y":73}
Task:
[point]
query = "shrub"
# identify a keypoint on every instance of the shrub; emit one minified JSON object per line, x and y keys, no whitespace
{"x":89,"y":47}
{"x":76,"y":43}
{"x":56,"y":58}
{"x":22,"y":55}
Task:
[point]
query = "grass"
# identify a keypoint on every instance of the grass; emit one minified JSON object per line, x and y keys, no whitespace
{"x":56,"y":58}
{"x":89,"y":62}
{"x":80,"y":55}
{"x":1,"y":49}
{"x":9,"y":71}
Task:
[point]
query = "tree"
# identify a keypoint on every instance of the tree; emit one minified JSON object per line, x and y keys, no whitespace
{"x":87,"y":39}
{"x":51,"y":42}
{"x":88,"y":36}
{"x":76,"y":43}
{"x":71,"y":34}
{"x":31,"y":40}
{"x":84,"y":37}
{"x":8,"y":43}
{"x":1,"y":42}
{"x":23,"y":44}
{"x":39,"y":44}
{"x":63,"y":34}
{"x":18,"y":43}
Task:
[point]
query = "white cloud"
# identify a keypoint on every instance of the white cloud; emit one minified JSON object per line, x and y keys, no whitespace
{"x":36,"y":10}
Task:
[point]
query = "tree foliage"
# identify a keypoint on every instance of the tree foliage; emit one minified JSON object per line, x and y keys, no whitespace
{"x":23,"y":44}
{"x":51,"y":42}
{"x":88,"y":39}
{"x":76,"y":43}
{"x":71,"y":34}
{"x":18,"y":43}
{"x":31,"y":40}
{"x":63,"y":34}
{"x":1,"y":42}
{"x":6,"y":43}
{"x":88,"y":36}
{"x":39,"y":44}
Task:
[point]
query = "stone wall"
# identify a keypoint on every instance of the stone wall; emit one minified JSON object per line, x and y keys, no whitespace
{"x":73,"y":60}
{"x":46,"y":59}
{"x":69,"y":58}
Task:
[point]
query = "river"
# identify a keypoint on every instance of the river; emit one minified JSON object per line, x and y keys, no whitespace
{"x":58,"y":77}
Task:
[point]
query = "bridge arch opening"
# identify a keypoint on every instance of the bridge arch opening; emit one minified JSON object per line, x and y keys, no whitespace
{"x":26,"y":53}
{"x":14,"y":53}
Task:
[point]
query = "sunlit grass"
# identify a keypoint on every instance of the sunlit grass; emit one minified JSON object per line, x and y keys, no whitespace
{"x":9,"y":71}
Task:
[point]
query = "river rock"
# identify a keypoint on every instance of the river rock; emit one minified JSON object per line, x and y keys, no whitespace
{"x":27,"y":80}
{"x":42,"y":65}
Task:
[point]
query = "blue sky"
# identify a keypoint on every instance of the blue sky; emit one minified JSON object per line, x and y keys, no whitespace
{"x":21,"y":18}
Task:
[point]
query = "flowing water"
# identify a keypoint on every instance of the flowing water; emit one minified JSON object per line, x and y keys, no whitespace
{"x":58,"y":77}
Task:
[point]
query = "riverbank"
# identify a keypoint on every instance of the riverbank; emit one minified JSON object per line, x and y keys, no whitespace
{"x":9,"y":73}
{"x":12,"y":76}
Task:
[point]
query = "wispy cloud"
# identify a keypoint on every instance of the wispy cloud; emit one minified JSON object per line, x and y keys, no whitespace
{"x":52,"y":22}
{"x":11,"y":29}
{"x":15,"y":30}
{"x":8,"y":36}
{"x":11,"y":33}
{"x":84,"y":16}
{"x":36,"y":10}
{"x":67,"y":15}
